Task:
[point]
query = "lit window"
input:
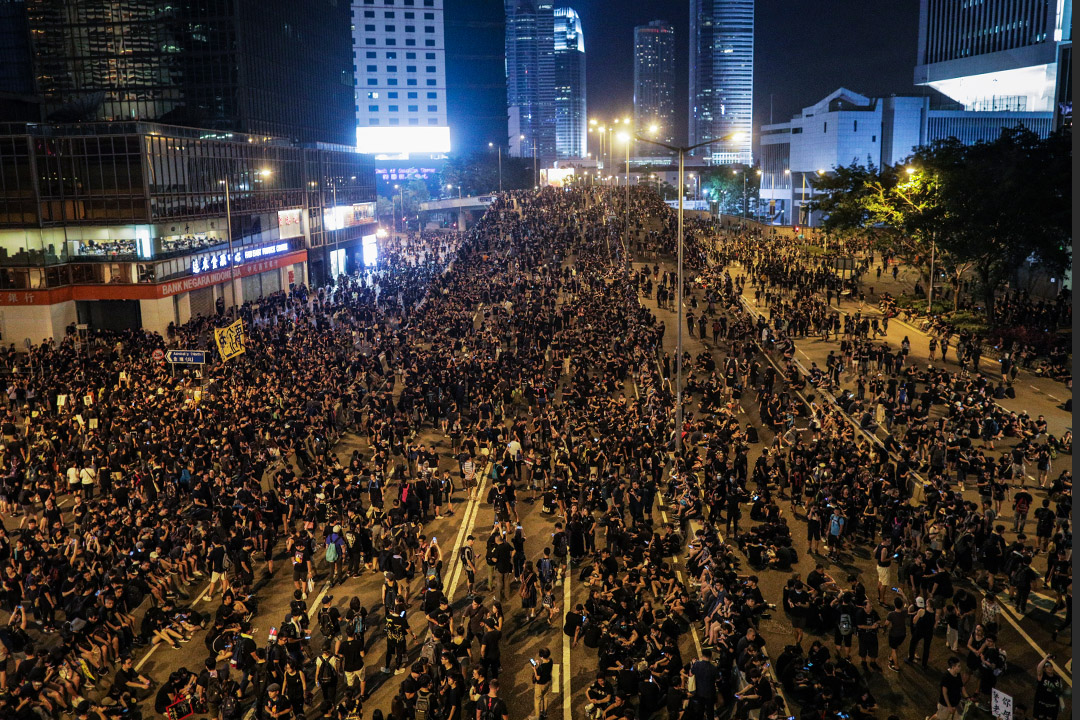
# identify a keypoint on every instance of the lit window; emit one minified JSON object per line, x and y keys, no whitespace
{"x":373,"y":96}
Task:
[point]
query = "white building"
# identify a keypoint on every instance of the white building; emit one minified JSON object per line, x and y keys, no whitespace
{"x":399,"y":64}
{"x":846,"y":127}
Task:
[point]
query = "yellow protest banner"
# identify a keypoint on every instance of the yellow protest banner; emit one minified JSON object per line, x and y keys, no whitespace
{"x":230,"y":340}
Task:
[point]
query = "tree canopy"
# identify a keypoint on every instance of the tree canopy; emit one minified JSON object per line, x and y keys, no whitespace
{"x":986,"y":208}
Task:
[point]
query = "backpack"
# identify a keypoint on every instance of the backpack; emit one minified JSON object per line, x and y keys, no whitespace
{"x":229,"y":706}
{"x":332,"y":553}
{"x":845,"y":623}
{"x":489,"y":708}
{"x":545,"y":569}
{"x":423,"y":704}
{"x":326,"y":673}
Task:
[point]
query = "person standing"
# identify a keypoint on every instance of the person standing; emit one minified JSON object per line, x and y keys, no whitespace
{"x":1048,"y":691}
{"x":491,"y":706}
{"x":351,"y":652}
{"x":951,"y":692}
{"x":867,"y":623}
{"x":897,"y":620}
{"x":884,"y":557}
{"x":541,"y":666}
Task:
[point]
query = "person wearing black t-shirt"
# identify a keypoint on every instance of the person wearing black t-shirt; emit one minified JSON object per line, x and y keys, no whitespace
{"x":491,"y":706}
{"x":951,"y":691}
{"x":541,"y":667}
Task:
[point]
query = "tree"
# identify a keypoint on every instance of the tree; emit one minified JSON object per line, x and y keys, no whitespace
{"x":1008,"y":205}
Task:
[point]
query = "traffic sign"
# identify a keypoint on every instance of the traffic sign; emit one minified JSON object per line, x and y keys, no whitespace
{"x":158,"y":355}
{"x":188,"y":357}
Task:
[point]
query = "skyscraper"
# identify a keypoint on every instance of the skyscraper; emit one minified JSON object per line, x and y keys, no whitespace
{"x":475,"y":73}
{"x":1001,"y":56}
{"x":530,"y":77}
{"x":266,"y":67}
{"x":571,"y":122}
{"x":400,"y":77}
{"x":722,"y":79}
{"x":654,"y":78}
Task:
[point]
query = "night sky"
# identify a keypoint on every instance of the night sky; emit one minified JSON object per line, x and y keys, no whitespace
{"x":804,"y":49}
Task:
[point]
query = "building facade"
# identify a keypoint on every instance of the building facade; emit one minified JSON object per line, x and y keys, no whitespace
{"x":571,"y":118}
{"x":722,"y":79}
{"x":846,"y":127}
{"x":219,"y":65}
{"x":475,"y":32}
{"x":994,"y":55}
{"x":654,"y":81}
{"x":134,"y":224}
{"x":400,"y":77}
{"x":530,"y":77}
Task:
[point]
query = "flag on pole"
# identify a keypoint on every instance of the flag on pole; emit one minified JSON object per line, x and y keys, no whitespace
{"x":230,"y":340}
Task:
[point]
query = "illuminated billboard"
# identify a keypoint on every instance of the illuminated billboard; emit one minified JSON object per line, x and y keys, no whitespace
{"x":403,"y":139}
{"x":556,"y":177}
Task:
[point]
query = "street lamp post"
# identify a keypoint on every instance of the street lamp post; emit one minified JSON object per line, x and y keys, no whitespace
{"x":682,"y":150}
{"x":625,"y":138}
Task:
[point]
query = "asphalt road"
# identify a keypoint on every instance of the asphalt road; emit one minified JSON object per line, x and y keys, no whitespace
{"x":907,"y":693}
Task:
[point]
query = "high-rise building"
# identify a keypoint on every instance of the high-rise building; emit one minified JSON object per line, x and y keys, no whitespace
{"x":266,"y":67}
{"x":475,"y":73}
{"x":571,"y":121}
{"x":400,"y":69}
{"x":530,"y":77}
{"x":654,"y":80}
{"x":999,"y":55}
{"x":722,"y":79}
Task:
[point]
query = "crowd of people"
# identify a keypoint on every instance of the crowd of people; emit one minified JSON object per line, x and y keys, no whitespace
{"x":528,"y":343}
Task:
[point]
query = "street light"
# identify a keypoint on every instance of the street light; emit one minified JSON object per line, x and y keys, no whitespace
{"x":490,"y":144}
{"x":682,"y":150}
{"x":624,"y":138}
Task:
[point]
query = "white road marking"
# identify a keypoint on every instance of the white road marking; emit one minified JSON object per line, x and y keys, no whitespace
{"x":1008,"y":615}
{"x":466,"y":528}
{"x":146,"y":656}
